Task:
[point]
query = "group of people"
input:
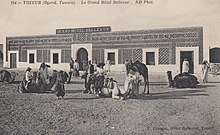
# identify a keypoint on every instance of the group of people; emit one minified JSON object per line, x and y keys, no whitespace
{"x":95,"y":77}
{"x":205,"y":69}
{"x":100,"y":70}
{"x":42,"y":75}
{"x":91,"y":71}
{"x":74,"y":69}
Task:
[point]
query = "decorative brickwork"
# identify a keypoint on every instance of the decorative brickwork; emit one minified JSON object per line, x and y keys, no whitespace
{"x":137,"y":55}
{"x":187,"y":44}
{"x":22,"y":55}
{"x":128,"y":43}
{"x":81,"y":37}
{"x":164,"y":56}
{"x":14,"y":48}
{"x":65,"y":56}
{"x":120,"y":56}
{"x":102,"y":55}
{"x":43,"y":55}
{"x":124,"y":54}
{"x":39,"y":55}
{"x":172,"y":52}
{"x":74,"y":37}
{"x":95,"y":55}
{"x":98,"y":55}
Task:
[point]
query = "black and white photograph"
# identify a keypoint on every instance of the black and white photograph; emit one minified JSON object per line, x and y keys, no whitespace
{"x":109,"y":67}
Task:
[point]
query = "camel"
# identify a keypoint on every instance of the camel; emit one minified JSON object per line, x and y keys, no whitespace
{"x":95,"y":84}
{"x":111,"y":89}
{"x":182,"y":80}
{"x":6,"y":76}
{"x":37,"y":85}
{"x":185,"y":80}
{"x":143,"y":71}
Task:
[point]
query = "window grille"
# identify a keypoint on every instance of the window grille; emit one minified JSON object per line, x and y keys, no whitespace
{"x":137,"y":55}
{"x":22,"y":55}
{"x":164,"y":56}
{"x":98,"y":55}
{"x":65,"y":56}
{"x":124,"y":54}
{"x":43,"y":55}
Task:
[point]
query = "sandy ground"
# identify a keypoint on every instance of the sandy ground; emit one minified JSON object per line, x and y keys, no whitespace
{"x":164,"y":111}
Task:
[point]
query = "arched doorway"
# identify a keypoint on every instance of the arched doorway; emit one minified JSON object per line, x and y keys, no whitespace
{"x":82,"y":55}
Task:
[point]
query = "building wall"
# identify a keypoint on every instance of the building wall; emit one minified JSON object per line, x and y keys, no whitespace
{"x":132,"y":45}
{"x":1,"y":55}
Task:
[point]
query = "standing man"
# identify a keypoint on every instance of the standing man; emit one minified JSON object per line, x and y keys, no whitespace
{"x":95,"y":64}
{"x":28,"y":77}
{"x":185,"y":66}
{"x":89,"y":71}
{"x":91,"y":68}
{"x":71,"y":69}
{"x":44,"y":72}
{"x":127,"y":66}
{"x":205,"y":70}
{"x":71,"y":63}
{"x":76,"y":68}
{"x":84,"y":65}
{"x":107,"y":65}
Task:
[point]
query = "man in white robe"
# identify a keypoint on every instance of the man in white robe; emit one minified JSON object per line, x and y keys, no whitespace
{"x":185,"y":66}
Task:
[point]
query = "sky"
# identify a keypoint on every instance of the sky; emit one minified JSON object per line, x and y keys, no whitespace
{"x":19,"y":20}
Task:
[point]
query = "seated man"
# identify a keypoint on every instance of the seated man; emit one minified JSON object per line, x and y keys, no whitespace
{"x":99,"y":77}
{"x":111,"y":89}
{"x":96,"y":80}
{"x":132,"y":82}
{"x":90,"y":85}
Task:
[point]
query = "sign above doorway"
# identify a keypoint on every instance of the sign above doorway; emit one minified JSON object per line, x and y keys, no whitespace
{"x":84,"y":30}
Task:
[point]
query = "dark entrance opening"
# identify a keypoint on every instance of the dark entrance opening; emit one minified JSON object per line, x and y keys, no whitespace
{"x":215,"y":55}
{"x":13,"y":60}
{"x":55,"y":58}
{"x":189,"y":56}
{"x":1,"y":59}
{"x":111,"y":57}
{"x":31,"y":58}
{"x":150,"y":58}
{"x":82,"y":55}
{"x":1,"y":55}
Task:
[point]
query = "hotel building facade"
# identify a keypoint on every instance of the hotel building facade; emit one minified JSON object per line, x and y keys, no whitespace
{"x":160,"y":49}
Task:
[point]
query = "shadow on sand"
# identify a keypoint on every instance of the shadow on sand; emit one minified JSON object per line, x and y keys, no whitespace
{"x":73,"y":91}
{"x":82,"y":98}
{"x":14,"y":82}
{"x":205,"y":86}
{"x":177,"y":94}
{"x":76,"y":82}
{"x":174,"y":93}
